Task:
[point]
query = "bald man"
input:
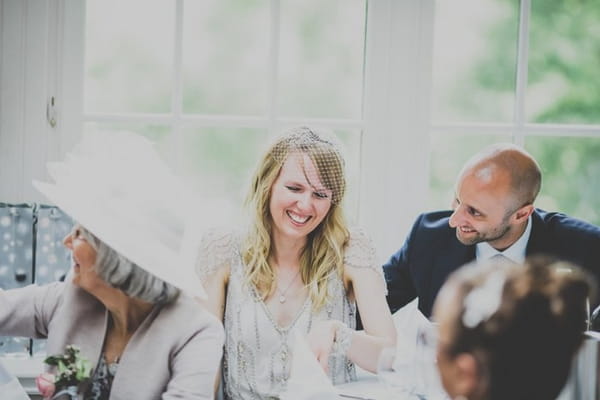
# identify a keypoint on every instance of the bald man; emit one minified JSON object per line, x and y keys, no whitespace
{"x":493,"y":216}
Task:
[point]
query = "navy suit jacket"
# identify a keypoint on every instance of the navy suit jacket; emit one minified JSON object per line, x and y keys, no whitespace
{"x":432,"y":252}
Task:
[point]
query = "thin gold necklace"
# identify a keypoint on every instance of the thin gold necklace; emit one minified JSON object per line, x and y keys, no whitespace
{"x":282,"y":298}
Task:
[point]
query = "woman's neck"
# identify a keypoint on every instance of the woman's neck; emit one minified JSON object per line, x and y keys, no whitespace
{"x":286,"y":252}
{"x":127,"y":313}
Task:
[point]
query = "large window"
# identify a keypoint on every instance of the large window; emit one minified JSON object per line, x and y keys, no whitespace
{"x":211,"y":81}
{"x":412,"y":87}
{"x":521,"y":71}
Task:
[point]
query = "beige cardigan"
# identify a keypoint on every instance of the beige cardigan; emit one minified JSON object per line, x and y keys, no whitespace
{"x":174,"y":354}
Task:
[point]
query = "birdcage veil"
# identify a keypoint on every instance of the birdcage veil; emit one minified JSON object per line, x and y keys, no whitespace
{"x":325,"y":151}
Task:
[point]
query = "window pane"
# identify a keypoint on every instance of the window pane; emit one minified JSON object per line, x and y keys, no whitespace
{"x":321,"y":58}
{"x":448,"y":155}
{"x":225,"y":57}
{"x":215,"y":163}
{"x":159,"y":134}
{"x":351,"y":152}
{"x":129,"y":55}
{"x":474,"y":59}
{"x":564,"y":78}
{"x":220,"y":162}
{"x":570,"y":175}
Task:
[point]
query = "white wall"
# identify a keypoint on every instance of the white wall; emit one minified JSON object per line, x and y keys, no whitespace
{"x":395,"y":161}
{"x":32,"y":67}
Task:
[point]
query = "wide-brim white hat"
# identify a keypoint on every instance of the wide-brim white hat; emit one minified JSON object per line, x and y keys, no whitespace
{"x":116,"y":185}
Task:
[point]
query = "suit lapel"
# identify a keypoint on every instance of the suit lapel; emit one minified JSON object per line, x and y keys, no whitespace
{"x":538,"y":240}
{"x":445,"y":262}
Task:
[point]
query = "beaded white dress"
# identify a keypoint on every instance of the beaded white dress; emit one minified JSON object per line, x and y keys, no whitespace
{"x":257,"y":356}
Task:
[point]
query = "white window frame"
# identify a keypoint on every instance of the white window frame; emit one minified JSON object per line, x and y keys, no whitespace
{"x":394,"y":130}
{"x":519,"y":128}
{"x":177,"y":120}
{"x":386,"y":92}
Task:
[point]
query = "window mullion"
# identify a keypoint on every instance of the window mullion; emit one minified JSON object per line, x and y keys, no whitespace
{"x":273,"y":69}
{"x":521,"y":73}
{"x":177,"y":89}
{"x":177,"y":96}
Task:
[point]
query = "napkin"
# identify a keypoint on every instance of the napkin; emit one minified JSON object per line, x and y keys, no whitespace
{"x":307,"y":379}
{"x":416,"y":345}
{"x":409,"y":322}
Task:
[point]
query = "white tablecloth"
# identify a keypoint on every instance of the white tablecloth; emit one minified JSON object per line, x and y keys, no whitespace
{"x":366,"y":387}
{"x":10,"y":388}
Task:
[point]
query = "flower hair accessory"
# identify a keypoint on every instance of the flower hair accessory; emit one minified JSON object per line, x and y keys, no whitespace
{"x":73,"y":372}
{"x":484,"y":300}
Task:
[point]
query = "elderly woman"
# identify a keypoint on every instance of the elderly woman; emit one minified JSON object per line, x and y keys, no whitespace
{"x":122,"y":303}
{"x":510,"y":331}
{"x":298,"y":270}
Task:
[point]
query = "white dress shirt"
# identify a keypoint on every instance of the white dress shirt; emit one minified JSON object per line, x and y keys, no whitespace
{"x":515,"y":253}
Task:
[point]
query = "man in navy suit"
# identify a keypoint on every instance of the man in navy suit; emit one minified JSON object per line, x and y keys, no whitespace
{"x":493,"y":215}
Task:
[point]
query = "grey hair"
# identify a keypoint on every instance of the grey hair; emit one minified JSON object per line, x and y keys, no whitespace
{"x":122,"y":274}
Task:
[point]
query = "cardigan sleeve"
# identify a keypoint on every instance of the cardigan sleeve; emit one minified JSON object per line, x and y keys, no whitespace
{"x":28,"y":311}
{"x":196,"y":364}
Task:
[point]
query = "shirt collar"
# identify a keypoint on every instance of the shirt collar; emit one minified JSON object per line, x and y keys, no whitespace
{"x":515,"y":253}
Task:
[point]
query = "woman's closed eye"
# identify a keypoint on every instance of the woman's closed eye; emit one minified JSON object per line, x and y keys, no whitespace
{"x":319,"y":194}
{"x":293,"y":188}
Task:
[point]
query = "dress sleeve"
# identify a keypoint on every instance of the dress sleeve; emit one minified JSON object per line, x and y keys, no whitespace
{"x":360,"y":253}
{"x":218,"y":249}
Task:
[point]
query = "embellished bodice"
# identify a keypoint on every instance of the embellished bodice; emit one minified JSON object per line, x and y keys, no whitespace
{"x":258,"y":351}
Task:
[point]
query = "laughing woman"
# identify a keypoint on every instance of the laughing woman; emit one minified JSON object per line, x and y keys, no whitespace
{"x":297,"y":270}
{"x":123,"y":304}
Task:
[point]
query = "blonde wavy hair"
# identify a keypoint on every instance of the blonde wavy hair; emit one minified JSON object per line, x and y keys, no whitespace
{"x":324,"y":250}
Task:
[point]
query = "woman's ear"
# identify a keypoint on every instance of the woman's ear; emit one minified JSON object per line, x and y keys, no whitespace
{"x":467,"y":374}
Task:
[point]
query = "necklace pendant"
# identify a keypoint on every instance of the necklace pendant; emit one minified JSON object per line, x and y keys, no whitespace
{"x":282,"y":299}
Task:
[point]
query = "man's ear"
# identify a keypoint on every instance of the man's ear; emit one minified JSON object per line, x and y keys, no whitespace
{"x":467,"y":374}
{"x":524,"y":212}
